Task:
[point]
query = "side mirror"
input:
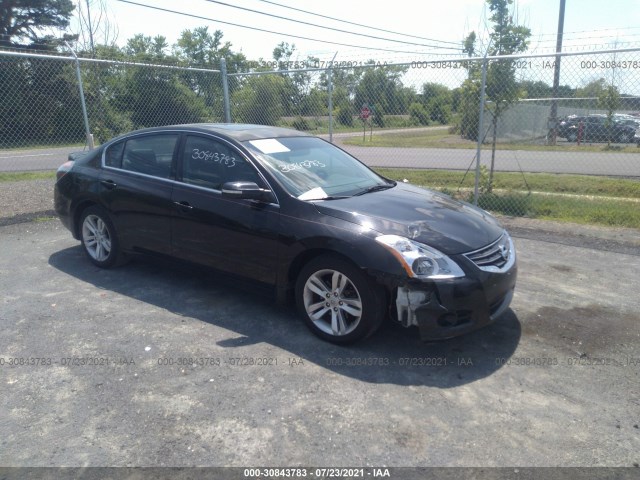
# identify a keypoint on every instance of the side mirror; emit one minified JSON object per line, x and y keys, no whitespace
{"x":245,"y":190}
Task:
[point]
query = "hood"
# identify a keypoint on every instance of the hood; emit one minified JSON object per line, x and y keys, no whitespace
{"x":423,"y":215}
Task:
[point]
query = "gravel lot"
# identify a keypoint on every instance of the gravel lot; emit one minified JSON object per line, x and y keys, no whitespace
{"x":150,"y":365}
{"x":24,"y":200}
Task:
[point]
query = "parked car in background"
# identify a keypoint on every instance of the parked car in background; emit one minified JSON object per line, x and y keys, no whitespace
{"x":596,"y":128}
{"x":292,"y":211}
{"x":630,"y":120}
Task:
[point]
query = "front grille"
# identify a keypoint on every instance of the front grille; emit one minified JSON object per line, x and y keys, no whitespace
{"x":495,"y":255}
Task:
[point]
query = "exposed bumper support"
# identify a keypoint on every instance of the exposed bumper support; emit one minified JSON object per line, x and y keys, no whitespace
{"x":447,"y":310}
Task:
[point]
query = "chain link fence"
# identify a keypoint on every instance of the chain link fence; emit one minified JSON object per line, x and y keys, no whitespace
{"x":496,"y":131}
{"x":43,"y":98}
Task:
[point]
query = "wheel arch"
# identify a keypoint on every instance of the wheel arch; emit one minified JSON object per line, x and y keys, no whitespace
{"x":357,"y":256}
{"x":77,"y":213}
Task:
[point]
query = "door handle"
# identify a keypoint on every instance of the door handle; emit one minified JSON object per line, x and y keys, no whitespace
{"x":184,"y":204}
{"x":110,"y":184}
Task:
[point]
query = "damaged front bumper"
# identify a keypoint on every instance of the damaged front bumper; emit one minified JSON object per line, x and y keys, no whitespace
{"x":449,"y":308}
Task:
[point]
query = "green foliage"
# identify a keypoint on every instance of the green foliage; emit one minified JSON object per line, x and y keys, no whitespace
{"x":437,"y":100}
{"x":24,"y":19}
{"x":469,"y":109}
{"x":609,"y":99}
{"x":502,"y":89}
{"x":440,"y":110}
{"x":259,"y":100}
{"x":378,"y":116}
{"x":592,"y":89}
{"x":383,"y":88}
{"x":418,"y":114}
{"x":345,"y":115}
{"x":315,"y":103}
{"x":345,"y":110}
{"x":300,"y":123}
{"x":510,"y":203}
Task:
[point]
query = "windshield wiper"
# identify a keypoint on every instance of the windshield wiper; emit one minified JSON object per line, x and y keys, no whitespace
{"x":376,"y":188}
{"x":330,"y":197}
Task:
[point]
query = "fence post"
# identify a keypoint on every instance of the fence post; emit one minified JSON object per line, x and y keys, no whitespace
{"x":330,"y":87}
{"x":480,"y":129}
{"x":225,"y":90}
{"x":82,"y":102}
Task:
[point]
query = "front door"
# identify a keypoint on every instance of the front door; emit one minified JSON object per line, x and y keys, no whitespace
{"x":233,"y":235}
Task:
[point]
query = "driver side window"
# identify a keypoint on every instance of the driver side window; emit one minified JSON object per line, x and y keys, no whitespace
{"x":209,"y":163}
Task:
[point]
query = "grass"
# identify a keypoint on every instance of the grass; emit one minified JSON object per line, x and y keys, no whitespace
{"x":569,"y":198}
{"x":443,"y":139}
{"x":44,"y":219}
{"x":538,"y":182}
{"x":23,"y":176}
{"x":320,"y":125}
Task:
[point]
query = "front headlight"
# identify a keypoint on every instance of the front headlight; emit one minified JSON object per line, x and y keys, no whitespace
{"x":420,"y":261}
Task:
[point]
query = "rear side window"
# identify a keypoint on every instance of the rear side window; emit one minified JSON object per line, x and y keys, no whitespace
{"x":151,"y":155}
{"x":209,"y":163}
{"x":113,"y":155}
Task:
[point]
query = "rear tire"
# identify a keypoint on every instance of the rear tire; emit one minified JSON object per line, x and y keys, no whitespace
{"x":99,"y":239}
{"x":338,"y":301}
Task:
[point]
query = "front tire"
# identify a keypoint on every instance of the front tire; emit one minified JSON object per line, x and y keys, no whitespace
{"x":338,"y":302}
{"x":99,"y":238}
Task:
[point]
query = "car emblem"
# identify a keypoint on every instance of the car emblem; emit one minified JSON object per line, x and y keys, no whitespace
{"x":504,"y":253}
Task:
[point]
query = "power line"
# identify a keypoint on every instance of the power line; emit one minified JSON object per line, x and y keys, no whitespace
{"x":273,"y":32}
{"x":359,"y":24}
{"x":587,"y":31}
{"x":331,"y":28}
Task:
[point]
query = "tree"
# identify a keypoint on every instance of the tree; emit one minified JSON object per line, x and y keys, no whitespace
{"x":158,"y":96}
{"x":609,"y":99}
{"x":259,"y":100}
{"x":436,"y":99}
{"x":36,"y":101}
{"x":25,"y":19}
{"x":203,"y":49}
{"x":418,"y":114}
{"x":94,"y":26}
{"x":502,"y":89}
{"x":381,"y":88}
{"x":469,"y":92}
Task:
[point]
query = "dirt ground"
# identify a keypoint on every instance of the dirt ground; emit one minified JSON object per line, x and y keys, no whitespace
{"x":154,"y":365}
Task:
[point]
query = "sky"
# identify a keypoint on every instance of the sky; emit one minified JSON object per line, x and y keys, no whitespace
{"x":589,"y":24}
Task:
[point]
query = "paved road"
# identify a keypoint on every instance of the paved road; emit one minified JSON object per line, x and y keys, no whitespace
{"x":34,"y":159}
{"x":150,"y":365}
{"x":590,"y":163}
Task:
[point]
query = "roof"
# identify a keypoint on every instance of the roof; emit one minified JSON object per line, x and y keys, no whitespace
{"x":238,"y":131}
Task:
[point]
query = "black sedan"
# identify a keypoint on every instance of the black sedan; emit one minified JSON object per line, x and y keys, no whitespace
{"x":290,"y":210}
{"x":596,"y":128}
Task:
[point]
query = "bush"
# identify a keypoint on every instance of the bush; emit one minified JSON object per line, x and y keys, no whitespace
{"x":418,"y":113}
{"x":345,"y":115}
{"x":439,"y":110}
{"x":301,"y":123}
{"x":378,"y":117}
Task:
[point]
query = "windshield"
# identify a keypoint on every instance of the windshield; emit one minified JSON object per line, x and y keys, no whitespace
{"x":311,"y":169}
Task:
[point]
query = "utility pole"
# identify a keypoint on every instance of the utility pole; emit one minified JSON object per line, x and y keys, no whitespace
{"x":553,"y":117}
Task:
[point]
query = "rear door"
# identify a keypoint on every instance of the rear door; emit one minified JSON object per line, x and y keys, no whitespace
{"x":136,"y":184}
{"x":233,"y":235}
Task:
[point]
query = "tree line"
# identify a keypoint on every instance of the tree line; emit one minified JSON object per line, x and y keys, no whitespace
{"x":39,"y":99}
